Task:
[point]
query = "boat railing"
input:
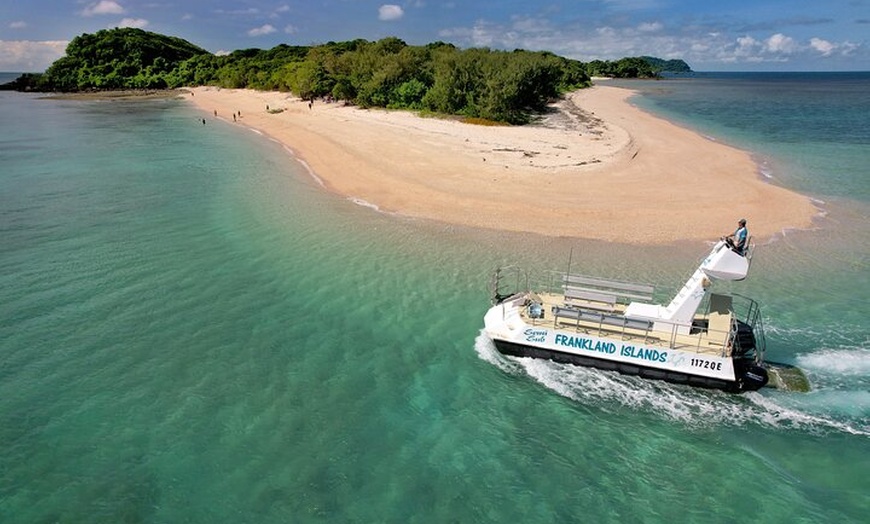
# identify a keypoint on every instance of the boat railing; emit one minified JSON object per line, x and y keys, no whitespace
{"x":748,"y":312}
{"x":724,"y":339}
{"x":509,"y":280}
{"x":716,"y":339}
{"x":744,"y":318}
{"x":746,"y":309}
{"x":700,"y":340}
{"x":505,"y":282}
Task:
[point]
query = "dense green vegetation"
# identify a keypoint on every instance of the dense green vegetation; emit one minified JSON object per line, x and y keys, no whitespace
{"x":669,"y":66}
{"x":629,"y":67}
{"x":504,"y":86}
{"x":118,"y":59}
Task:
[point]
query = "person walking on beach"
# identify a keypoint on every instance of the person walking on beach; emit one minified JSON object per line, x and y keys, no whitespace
{"x":737,"y":239}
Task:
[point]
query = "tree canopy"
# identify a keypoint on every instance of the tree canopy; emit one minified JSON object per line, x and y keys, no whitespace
{"x":118,"y":59}
{"x":504,"y":86}
{"x":670,"y":66}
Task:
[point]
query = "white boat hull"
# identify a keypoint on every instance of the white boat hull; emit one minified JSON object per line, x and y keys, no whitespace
{"x":614,"y":325}
{"x":512,"y":336}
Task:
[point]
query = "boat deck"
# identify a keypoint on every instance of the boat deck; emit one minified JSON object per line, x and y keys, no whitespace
{"x":606,"y":319}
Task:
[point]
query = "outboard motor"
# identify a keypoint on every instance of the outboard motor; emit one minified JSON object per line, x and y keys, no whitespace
{"x":753,"y":377}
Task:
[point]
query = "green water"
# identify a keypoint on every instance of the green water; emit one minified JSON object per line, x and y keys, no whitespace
{"x":193,"y":330}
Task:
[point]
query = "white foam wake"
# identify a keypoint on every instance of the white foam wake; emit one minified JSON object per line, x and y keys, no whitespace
{"x":845,"y":361}
{"x":697,"y":408}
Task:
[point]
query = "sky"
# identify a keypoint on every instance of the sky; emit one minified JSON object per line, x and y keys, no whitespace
{"x":710,"y":35}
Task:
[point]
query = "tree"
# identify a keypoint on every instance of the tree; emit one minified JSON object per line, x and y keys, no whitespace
{"x":478,"y":82}
{"x":307,"y":79}
{"x":118,"y":58}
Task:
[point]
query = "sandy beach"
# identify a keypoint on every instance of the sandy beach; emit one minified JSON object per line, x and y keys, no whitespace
{"x":596,"y":167}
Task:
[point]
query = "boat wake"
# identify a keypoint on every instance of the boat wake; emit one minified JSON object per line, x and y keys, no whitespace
{"x":814,"y":412}
{"x":851,"y":362}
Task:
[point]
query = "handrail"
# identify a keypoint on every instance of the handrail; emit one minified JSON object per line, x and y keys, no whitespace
{"x":510,"y":281}
{"x":596,"y":321}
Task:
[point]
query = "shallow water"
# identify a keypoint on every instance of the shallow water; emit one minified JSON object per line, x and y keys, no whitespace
{"x":192,"y":329}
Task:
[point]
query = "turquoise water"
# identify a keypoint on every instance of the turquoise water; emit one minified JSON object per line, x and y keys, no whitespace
{"x":193,"y":330}
{"x":811,"y":129}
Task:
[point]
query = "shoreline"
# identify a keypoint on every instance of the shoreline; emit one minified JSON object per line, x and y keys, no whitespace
{"x":117,"y":94}
{"x":594,"y":167}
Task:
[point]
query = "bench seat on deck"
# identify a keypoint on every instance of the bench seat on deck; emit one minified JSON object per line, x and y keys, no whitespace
{"x":585,"y":315}
{"x":590,"y":299}
{"x":606,"y":293}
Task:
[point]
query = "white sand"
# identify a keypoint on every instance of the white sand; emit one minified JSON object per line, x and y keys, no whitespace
{"x":597,"y":168}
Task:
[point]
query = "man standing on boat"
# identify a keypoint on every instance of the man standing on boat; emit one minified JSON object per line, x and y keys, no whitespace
{"x":737,"y":240}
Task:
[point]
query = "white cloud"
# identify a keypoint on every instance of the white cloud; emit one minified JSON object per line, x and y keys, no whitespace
{"x":251,"y":11}
{"x":607,"y":32}
{"x":133,"y":22}
{"x":18,"y":25}
{"x":29,"y":56}
{"x":847,"y":48}
{"x":262,"y":30}
{"x":103,"y":7}
{"x":779,"y":43}
{"x":822,"y":46}
{"x":187,"y":16}
{"x":390,"y":12}
{"x":279,"y":11}
{"x":746,"y":46}
{"x":650,"y":27}
{"x":826,"y":48}
{"x":702,"y":46}
{"x":776,"y":48}
{"x":291,"y":29}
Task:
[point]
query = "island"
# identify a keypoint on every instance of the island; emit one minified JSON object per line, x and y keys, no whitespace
{"x":516,"y":141}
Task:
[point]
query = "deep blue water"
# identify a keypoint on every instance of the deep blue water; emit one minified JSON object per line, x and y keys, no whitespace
{"x":193,"y":330}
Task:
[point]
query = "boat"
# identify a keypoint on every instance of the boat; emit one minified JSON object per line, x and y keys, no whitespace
{"x":700,"y":338}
